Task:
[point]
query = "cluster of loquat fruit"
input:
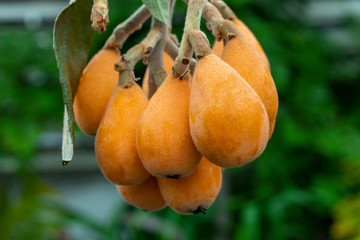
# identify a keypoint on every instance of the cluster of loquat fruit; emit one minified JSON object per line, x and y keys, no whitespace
{"x":171,"y":149}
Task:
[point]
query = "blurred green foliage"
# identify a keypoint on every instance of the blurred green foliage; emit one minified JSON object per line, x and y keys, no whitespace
{"x":306,"y":185}
{"x":29,"y":91}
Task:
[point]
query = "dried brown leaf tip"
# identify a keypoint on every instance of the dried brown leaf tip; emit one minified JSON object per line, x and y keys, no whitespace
{"x":100,"y":15}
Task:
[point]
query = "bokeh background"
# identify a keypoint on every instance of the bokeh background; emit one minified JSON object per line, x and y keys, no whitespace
{"x":306,"y":185}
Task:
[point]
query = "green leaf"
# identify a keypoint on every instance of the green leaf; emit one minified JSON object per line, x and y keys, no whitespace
{"x":159,"y":9}
{"x":71,"y":43}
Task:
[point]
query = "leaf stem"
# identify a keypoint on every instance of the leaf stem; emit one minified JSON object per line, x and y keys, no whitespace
{"x":126,"y":28}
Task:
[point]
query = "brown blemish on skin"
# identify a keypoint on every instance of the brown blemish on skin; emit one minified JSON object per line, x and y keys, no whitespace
{"x":175,"y":176}
{"x":200,"y":209}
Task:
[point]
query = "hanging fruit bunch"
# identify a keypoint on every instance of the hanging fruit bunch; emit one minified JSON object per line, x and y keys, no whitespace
{"x":166,"y":144}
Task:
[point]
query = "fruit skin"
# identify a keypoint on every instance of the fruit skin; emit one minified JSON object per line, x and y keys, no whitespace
{"x":145,"y":195}
{"x":163,"y":136}
{"x":218,"y":46}
{"x":195,"y":193}
{"x":228,"y":121}
{"x":115,"y":142}
{"x":168,"y":63}
{"x":240,"y":55}
{"x":240,"y":25}
{"x":96,"y":85}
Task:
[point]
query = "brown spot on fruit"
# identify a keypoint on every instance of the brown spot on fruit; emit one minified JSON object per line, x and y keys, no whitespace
{"x":200,"y":209}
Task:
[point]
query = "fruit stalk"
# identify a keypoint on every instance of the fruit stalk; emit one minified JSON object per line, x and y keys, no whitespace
{"x":229,"y":30}
{"x":213,"y":17}
{"x":126,"y":28}
{"x":127,"y":62}
{"x":224,"y":9}
{"x":192,"y":22}
{"x":220,"y":27}
{"x":157,"y":73}
{"x":173,"y":52}
{"x":200,"y":44}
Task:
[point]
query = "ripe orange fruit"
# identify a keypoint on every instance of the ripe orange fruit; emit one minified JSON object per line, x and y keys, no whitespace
{"x":115,"y":142}
{"x":239,"y":54}
{"x":145,"y":195}
{"x":163,"y":136}
{"x":218,"y":47}
{"x":96,"y":85}
{"x":228,"y":121}
{"x":251,"y":37}
{"x":168,"y":63}
{"x":193,"y":194}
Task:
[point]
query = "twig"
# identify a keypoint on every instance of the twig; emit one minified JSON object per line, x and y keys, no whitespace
{"x":214,"y":20}
{"x":172,"y":49}
{"x":220,"y":27}
{"x":174,"y":38}
{"x":151,"y":40}
{"x":192,"y":22}
{"x":224,"y":9}
{"x":127,"y":62}
{"x":99,"y":15}
{"x":124,"y":29}
{"x":200,"y":44}
{"x":157,"y":73}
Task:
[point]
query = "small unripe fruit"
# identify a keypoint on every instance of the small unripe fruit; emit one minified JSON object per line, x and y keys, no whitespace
{"x":96,"y":85}
{"x":193,"y":194}
{"x":163,"y":136}
{"x":115,"y":142}
{"x":145,"y":195}
{"x":239,"y":54}
{"x":228,"y":121}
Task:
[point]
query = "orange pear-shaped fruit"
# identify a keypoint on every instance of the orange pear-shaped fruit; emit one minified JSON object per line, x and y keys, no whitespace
{"x":168,"y":63}
{"x":115,"y":142}
{"x":218,"y":47}
{"x":228,"y":121}
{"x":163,"y":137}
{"x":193,"y":194}
{"x":145,"y":195}
{"x":96,"y":85}
{"x":240,"y":25}
{"x":239,"y":54}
